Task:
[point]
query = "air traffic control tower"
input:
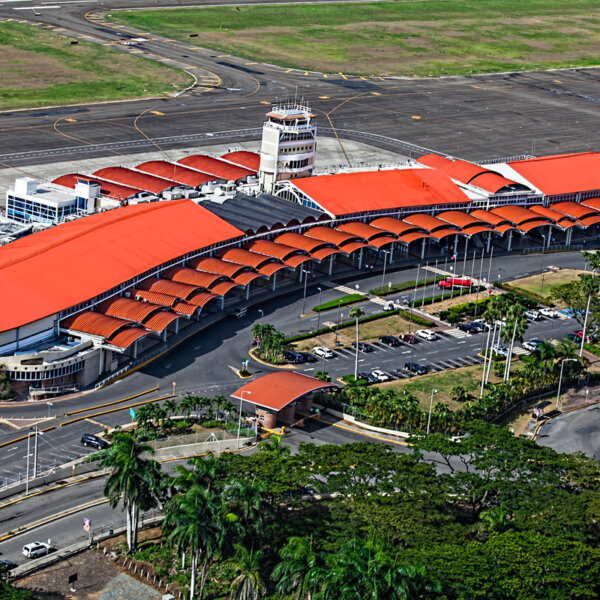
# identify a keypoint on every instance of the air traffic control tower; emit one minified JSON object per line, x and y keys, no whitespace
{"x":289,"y":144}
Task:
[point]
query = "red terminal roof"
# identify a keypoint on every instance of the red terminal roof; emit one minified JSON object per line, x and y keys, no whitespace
{"x":396,"y":226}
{"x":143,"y":181}
{"x":367,"y":232}
{"x":127,"y":308}
{"x":193,"y":277}
{"x":216,"y":265}
{"x":584,"y":214}
{"x":94,"y":323}
{"x":280,"y":251}
{"x":216,"y":167}
{"x":303,"y":242}
{"x":276,"y":390}
{"x":349,"y":193}
{"x":46,"y":272}
{"x":333,"y":236}
{"x":159,"y":321}
{"x":500,"y":224}
{"x":175,"y":172}
{"x":249,"y":160}
{"x":592,"y":203}
{"x":561,"y":173}
{"x":126,"y":337}
{"x":109,"y":189}
{"x":467,"y":172}
{"x":562,"y":220}
{"x":245,"y":257}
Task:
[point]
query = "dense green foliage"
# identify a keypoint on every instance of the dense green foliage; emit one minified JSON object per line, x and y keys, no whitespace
{"x":485,"y":516}
{"x":402,"y":286}
{"x":343,"y":301}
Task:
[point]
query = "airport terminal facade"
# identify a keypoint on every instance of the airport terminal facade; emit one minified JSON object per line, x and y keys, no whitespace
{"x":90,"y":297}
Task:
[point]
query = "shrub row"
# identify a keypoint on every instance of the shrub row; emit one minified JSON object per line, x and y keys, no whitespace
{"x":532,"y":296}
{"x":403,"y":286}
{"x":343,"y":301}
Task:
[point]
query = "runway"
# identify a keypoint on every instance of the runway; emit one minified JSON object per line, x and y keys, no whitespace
{"x":477,"y":117}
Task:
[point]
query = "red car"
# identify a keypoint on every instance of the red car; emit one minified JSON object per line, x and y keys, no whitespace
{"x":409,"y":338}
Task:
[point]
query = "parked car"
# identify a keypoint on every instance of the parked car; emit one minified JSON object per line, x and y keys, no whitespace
{"x":368,"y":377}
{"x":549,"y":312}
{"x":89,"y":439}
{"x":7,"y":565}
{"x":36,"y":549}
{"x":293,"y":357}
{"x":532,"y":344}
{"x":391,"y":305}
{"x":480,"y":324}
{"x":588,"y":338}
{"x":414,"y":367}
{"x":468,"y":327}
{"x":363,"y":346}
{"x":380,"y":375}
{"x":408,"y":338}
{"x":426,"y":334}
{"x":389,"y":340}
{"x":323,"y":352}
{"x":533,"y":315}
{"x":500,"y":349}
{"x":573,"y":338}
{"x":308,"y":357}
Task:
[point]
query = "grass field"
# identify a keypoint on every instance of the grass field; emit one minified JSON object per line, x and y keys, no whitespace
{"x":468,"y":377}
{"x":552,"y":279}
{"x":40,"y":68}
{"x":418,"y":38}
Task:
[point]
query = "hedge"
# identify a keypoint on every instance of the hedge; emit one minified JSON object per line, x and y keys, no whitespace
{"x":403,"y":286}
{"x":343,"y":301}
{"x":350,"y":323}
{"x":532,"y":296}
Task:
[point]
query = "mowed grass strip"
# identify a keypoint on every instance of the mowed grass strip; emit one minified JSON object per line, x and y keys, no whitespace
{"x":41,"y":68}
{"x":552,"y":280}
{"x":419,"y":38}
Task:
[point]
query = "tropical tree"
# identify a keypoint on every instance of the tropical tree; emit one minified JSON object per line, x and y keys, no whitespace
{"x":248,"y":502}
{"x":356,"y":313}
{"x":272,"y":445}
{"x":198,"y":524}
{"x":460,"y":393}
{"x":247,"y":584}
{"x":204,"y":472}
{"x":132,"y":480}
{"x":171,"y":406}
{"x":323,"y":376}
{"x":295,"y":573}
{"x":516,"y":324}
{"x":188,"y":404}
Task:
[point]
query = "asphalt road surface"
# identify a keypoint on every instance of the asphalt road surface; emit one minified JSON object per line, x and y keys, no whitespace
{"x":473,"y":117}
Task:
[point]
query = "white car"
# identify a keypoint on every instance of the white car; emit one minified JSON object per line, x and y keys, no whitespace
{"x":323,"y":352}
{"x":532,"y":345}
{"x":500,"y":350}
{"x":426,"y":334}
{"x":549,"y":312}
{"x":380,"y":375}
{"x":533,"y":315}
{"x":36,"y":549}
{"x":390,"y":305}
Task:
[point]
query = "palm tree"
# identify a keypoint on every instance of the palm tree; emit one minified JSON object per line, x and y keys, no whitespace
{"x":248,"y":502}
{"x":188,"y":404}
{"x":296,"y":569}
{"x":198,"y":525}
{"x":171,"y":406}
{"x":204,"y":473}
{"x":273,"y":446}
{"x":356,"y":313}
{"x":323,"y":376}
{"x":516,"y":324}
{"x":132,"y":479}
{"x":247,"y":584}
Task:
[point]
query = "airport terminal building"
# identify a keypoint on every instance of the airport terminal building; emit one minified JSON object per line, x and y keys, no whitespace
{"x":86,"y":299}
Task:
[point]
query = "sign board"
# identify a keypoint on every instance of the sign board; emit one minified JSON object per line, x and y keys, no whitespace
{"x":72,"y":578}
{"x":86,"y":524}
{"x":132,"y":413}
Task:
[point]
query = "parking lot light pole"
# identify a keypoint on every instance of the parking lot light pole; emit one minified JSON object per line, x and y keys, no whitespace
{"x":49,"y":404}
{"x":240,"y":415}
{"x":262,"y":314}
{"x":433,"y":391}
{"x":305,"y":273}
{"x":385,"y":255}
{"x":562,"y":364}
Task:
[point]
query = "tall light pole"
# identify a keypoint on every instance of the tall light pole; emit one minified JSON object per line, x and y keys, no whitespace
{"x":490,"y":266}
{"x":319,"y":312}
{"x":562,"y":364}
{"x":385,"y":255}
{"x":433,"y":391}
{"x":240,"y":414}
{"x":49,"y":404}
{"x":305,"y":273}
{"x":585,"y":320}
{"x":262,"y":314}
{"x":27,"y":472}
{"x":542,"y":267}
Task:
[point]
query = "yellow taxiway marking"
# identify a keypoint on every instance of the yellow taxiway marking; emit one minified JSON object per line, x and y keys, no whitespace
{"x":288,"y":71}
{"x":477,"y":87}
{"x":415,"y":117}
{"x":305,"y":73}
{"x":250,"y":63}
{"x":324,"y":97}
{"x":364,"y":78}
{"x":71,"y":120}
{"x":557,"y":81}
{"x":343,"y":76}
{"x":222,"y":55}
{"x":324,"y":76}
{"x":375,"y":94}
{"x":264,"y":102}
{"x":156,"y":112}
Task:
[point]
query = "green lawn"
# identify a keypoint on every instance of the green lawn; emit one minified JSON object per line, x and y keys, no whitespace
{"x":552,"y":280}
{"x":419,"y":38}
{"x":41,"y":68}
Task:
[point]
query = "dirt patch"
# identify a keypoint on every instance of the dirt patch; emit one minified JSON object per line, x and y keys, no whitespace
{"x":98,"y":578}
{"x":433,"y":309}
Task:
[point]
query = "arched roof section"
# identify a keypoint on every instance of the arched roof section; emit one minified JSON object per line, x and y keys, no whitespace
{"x":116,"y":191}
{"x":492,"y":182}
{"x":468,"y":224}
{"x":142,"y":181}
{"x":395,"y":226}
{"x":221,"y":288}
{"x":562,"y":220}
{"x":413,"y":236}
{"x":435,"y":227}
{"x":166,"y":286}
{"x":217,"y":266}
{"x":524,"y":219}
{"x":193,"y":277}
{"x":174,"y":172}
{"x":302,"y":242}
{"x":367,"y":232}
{"x":160,"y":320}
{"x":216,"y":167}
{"x":127,"y":308}
{"x":180,"y":307}
{"x":201,"y":298}
{"x":276,"y":390}
{"x":243,"y":158}
{"x":94,"y":323}
{"x":500,"y":224}
{"x":592,"y":203}
{"x":333,"y":236}
{"x":280,"y":251}
{"x":247,"y":258}
{"x":584,"y":214}
{"x":126,"y":337}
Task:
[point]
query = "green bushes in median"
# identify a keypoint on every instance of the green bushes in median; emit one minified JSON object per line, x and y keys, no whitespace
{"x":403,"y":286}
{"x":343,"y":301}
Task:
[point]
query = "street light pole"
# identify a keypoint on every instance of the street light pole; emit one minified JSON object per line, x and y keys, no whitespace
{"x":305,"y":272}
{"x":49,"y":404}
{"x":433,"y":391}
{"x":240,"y":415}
{"x":262,"y":314}
{"x":385,"y":255}
{"x":35,"y":453}
{"x":562,"y":364}
{"x":319,"y":312}
{"x":542,"y":267}
{"x":490,"y":267}
{"x":27,"y":475}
